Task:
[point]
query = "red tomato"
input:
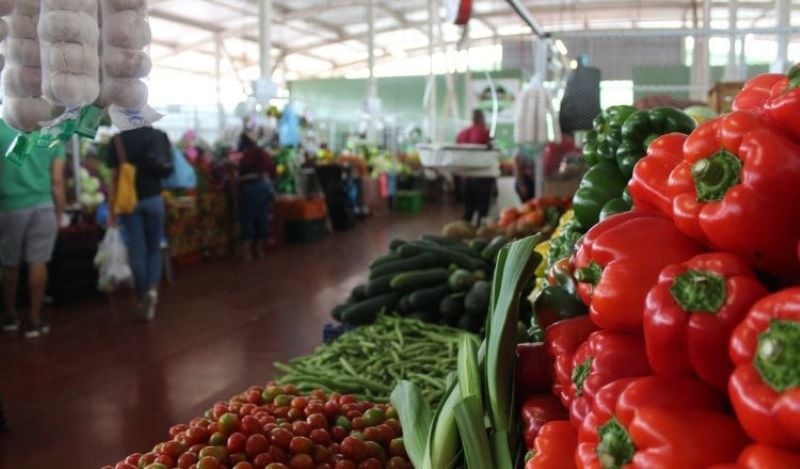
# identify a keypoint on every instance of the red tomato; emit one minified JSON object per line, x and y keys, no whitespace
{"x":256,"y":444}
{"x":277,"y":465}
{"x":248,"y":409}
{"x":133,"y":458}
{"x":320,"y":436}
{"x":262,"y":460}
{"x":236,"y":458}
{"x":236,"y":442}
{"x":395,"y":424}
{"x":354,"y":449}
{"x":358,"y":422}
{"x":317,"y":420}
{"x":290,"y":389}
{"x":243,"y":465}
{"x":281,"y":437}
{"x":123,"y":465}
{"x":295,"y":414}
{"x":219,"y":409}
{"x":148,"y":458}
{"x":253,"y":396}
{"x":167,"y":461}
{"x":321,"y":454}
{"x":208,"y":462}
{"x":387,"y":433}
{"x":197,"y":448}
{"x":250,"y":425}
{"x":228,"y":423}
{"x":299,"y":403}
{"x":338,"y":434}
{"x":301,"y":461}
{"x":301,"y":428}
{"x":345,"y":465}
{"x":186,"y":460}
{"x":397,"y":448}
{"x":281,"y":412}
{"x":331,"y":410}
{"x":397,"y":463}
{"x":300,"y":445}
{"x":175,"y":429}
{"x":348,"y":399}
{"x":217,"y":452}
{"x":372,"y":434}
{"x":370,"y":463}
{"x":277,"y":454}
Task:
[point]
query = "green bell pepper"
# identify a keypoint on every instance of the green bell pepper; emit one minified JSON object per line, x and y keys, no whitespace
{"x":615,"y":206}
{"x":602,"y":183}
{"x":590,"y":148}
{"x":608,"y":126}
{"x":642,"y":127}
{"x":555,"y":303}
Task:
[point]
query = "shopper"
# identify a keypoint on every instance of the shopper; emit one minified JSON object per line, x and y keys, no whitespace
{"x":147,"y":149}
{"x":31,"y":208}
{"x":477,"y":190}
{"x":255,"y":195}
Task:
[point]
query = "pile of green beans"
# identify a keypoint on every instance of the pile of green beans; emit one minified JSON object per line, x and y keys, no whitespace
{"x":370,"y":360}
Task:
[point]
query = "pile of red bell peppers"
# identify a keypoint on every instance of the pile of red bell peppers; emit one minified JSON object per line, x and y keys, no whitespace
{"x":689,"y":356}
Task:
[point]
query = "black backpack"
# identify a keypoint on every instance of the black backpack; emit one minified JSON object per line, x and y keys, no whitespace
{"x":158,"y":158}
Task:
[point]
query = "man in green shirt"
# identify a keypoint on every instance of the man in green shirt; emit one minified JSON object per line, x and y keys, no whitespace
{"x":31,"y":208}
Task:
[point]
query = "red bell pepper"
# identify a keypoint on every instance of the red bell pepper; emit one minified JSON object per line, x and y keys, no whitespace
{"x":658,"y":421}
{"x":740,"y":183}
{"x":606,"y":356}
{"x":534,"y":370}
{"x":618,"y":262}
{"x":650,"y":187}
{"x":767,"y":457}
{"x":537,"y":410}
{"x":555,"y":447}
{"x":691,"y":312}
{"x":784,"y":103}
{"x":562,"y":339}
{"x":765,"y":386}
{"x":756,"y":93}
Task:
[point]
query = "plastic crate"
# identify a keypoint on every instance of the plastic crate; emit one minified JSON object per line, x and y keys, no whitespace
{"x":305,"y":209}
{"x":408,"y":202}
{"x":305,"y":231}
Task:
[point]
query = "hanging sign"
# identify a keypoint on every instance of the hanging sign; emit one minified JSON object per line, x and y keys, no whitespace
{"x":459,"y":12}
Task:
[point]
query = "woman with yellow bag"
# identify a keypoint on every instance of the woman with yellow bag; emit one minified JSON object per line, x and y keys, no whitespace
{"x":141,"y":158}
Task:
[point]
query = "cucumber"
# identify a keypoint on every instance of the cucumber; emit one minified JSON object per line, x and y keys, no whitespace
{"x":471,"y":323}
{"x":395,"y":244}
{"x":452,"y":307}
{"x":404,"y":305}
{"x":379,"y":285}
{"x":359,"y":293}
{"x":423,"y":261}
{"x":336,"y":312}
{"x":428,"y":299}
{"x":379,"y":261}
{"x":410,"y":281}
{"x":494,"y":247}
{"x":426,"y":316}
{"x":444,"y":255}
{"x":477,"y":300}
{"x":367,"y":311}
{"x":478,"y":245}
{"x":451,"y":244}
{"x":461,"y":280}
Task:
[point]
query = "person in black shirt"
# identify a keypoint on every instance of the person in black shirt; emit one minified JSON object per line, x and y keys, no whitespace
{"x":145,"y":226}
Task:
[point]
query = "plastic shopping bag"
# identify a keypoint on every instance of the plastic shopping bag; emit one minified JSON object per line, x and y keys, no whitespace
{"x":112,"y":262}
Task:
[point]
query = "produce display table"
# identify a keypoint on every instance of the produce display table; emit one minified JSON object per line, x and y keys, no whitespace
{"x":199,"y":227}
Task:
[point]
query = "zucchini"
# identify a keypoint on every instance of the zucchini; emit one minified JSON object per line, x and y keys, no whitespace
{"x":423,"y":261}
{"x":359,"y":293}
{"x":395,"y":244}
{"x":426,"y":316}
{"x":491,"y":250}
{"x":453,"y":245}
{"x":379,"y":285}
{"x":441,"y":240}
{"x":379,"y":261}
{"x":444,"y":255}
{"x":461,"y":280}
{"x":452,"y":307}
{"x":477,"y":300}
{"x":367,"y":311}
{"x":428,"y":299}
{"x":410,"y":281}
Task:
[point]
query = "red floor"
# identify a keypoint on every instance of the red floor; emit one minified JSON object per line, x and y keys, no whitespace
{"x":103,"y":385}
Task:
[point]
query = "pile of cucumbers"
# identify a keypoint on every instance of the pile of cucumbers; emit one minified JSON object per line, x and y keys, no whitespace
{"x":436,"y":279}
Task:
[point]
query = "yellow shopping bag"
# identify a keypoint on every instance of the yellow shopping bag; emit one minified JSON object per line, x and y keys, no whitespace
{"x":125,"y":199}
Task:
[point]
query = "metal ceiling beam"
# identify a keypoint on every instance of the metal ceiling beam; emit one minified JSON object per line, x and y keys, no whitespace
{"x":527,"y":17}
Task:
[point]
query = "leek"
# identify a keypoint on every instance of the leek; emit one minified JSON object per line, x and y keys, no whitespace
{"x":442,"y":448}
{"x":415,"y":419}
{"x":469,"y":417}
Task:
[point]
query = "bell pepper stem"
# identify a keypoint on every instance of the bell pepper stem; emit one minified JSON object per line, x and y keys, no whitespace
{"x":579,"y":375}
{"x":794,"y":78}
{"x":697,"y":291}
{"x":713,"y":176}
{"x":615,"y":448}
{"x":778,"y":355}
{"x":590,"y":274}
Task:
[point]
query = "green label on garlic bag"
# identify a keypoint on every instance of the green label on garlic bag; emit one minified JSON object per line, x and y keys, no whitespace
{"x":89,"y":121}
{"x":20,"y":148}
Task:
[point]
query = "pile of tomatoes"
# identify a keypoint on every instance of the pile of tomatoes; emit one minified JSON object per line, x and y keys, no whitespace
{"x":277,"y":427}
